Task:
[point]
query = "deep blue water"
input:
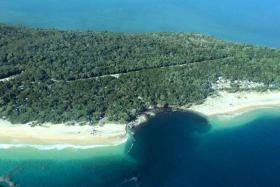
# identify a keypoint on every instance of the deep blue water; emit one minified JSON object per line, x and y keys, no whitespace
{"x":172,"y":149}
{"x":181,"y":149}
{"x":250,"y":21}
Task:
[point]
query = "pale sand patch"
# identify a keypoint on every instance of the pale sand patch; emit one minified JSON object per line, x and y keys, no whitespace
{"x":8,"y":78}
{"x":113,"y":134}
{"x":236,"y":103}
{"x":50,"y":134}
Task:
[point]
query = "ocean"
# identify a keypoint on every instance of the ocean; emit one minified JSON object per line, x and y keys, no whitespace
{"x":172,"y":149}
{"x":250,"y":21}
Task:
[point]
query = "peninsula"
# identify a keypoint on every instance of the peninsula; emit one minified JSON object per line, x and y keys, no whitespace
{"x":81,"y":88}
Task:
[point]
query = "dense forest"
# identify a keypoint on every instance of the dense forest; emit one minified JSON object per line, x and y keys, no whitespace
{"x":59,"y":76}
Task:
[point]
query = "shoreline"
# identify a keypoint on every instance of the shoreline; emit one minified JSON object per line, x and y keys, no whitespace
{"x":225,"y":103}
{"x":60,"y":136}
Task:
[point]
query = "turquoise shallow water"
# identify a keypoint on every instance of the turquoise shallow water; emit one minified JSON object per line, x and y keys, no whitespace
{"x":250,"y":21}
{"x":172,"y":149}
{"x":29,"y":167}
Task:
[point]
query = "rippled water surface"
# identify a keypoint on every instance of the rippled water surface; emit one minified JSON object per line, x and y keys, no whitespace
{"x":250,"y":21}
{"x":172,"y":149}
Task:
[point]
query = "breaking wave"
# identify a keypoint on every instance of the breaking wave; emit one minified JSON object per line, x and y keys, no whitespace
{"x":59,"y":146}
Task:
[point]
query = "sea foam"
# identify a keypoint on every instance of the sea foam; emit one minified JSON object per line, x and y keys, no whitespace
{"x":59,"y":146}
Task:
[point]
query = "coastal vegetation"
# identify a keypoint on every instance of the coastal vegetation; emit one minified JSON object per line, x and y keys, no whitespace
{"x":62,"y":76}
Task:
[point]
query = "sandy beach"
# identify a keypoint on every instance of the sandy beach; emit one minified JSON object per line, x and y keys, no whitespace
{"x":48,"y":134}
{"x":114,"y":134}
{"x":240,"y":102}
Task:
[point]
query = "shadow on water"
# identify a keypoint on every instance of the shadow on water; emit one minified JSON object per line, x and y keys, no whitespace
{"x":172,"y":149}
{"x":162,"y":147}
{"x":160,"y":153}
